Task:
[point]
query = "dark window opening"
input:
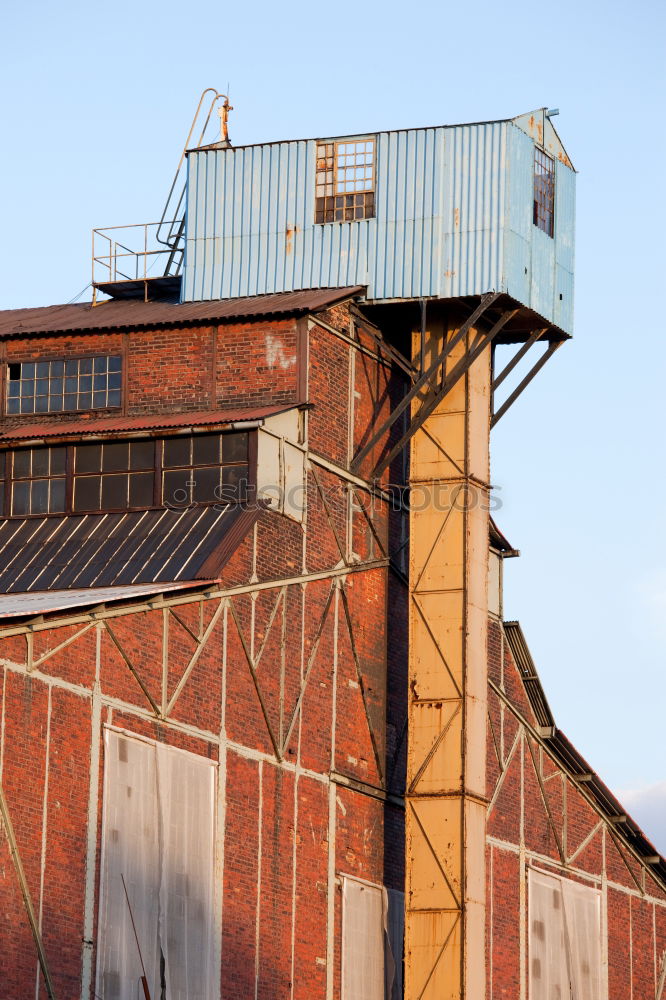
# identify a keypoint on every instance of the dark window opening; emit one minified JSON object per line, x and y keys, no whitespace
{"x":544,"y":192}
{"x":38,"y":481}
{"x":125,"y":475}
{"x":345,"y":181}
{"x":64,"y":385}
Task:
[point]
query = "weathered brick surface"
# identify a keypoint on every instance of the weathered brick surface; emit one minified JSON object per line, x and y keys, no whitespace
{"x":294,"y":683}
{"x":536,"y":807}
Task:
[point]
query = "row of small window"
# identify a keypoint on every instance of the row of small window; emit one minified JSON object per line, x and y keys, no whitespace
{"x":61,"y":386}
{"x":120,"y":475}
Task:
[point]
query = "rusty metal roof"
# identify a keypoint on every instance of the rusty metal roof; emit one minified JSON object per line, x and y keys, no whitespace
{"x":117,"y":550}
{"x":48,"y":602}
{"x":499,"y":541}
{"x":564,"y":752}
{"x":135,"y":314}
{"x":85,"y":427}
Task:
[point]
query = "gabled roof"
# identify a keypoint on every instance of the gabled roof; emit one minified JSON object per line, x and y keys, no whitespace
{"x":566,"y":755}
{"x":78,"y":551}
{"x":135,"y":314}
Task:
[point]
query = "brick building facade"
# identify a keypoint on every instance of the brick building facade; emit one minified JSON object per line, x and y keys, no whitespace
{"x":218,"y":653}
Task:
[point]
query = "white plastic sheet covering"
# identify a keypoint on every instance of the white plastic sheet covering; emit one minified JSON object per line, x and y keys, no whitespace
{"x":158,"y":833}
{"x":372,"y":940}
{"x":564,"y":939}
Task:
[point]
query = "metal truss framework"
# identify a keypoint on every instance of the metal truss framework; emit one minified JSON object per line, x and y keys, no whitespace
{"x":445,"y":799}
{"x":436,"y":380}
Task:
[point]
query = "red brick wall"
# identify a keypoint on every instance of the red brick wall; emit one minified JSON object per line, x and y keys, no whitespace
{"x":539,"y":817}
{"x":183,"y":369}
{"x":289,"y":687}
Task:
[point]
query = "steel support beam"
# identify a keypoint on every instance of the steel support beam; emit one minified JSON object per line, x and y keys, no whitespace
{"x":536,"y":368}
{"x":480,"y":344}
{"x":421,"y":383}
{"x":518,"y":357}
{"x":448,"y":612}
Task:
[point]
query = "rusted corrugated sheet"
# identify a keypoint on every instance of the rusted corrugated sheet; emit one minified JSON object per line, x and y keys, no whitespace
{"x":571,"y":760}
{"x":105,"y":426}
{"x":136,"y":314}
{"x":48,"y":602}
{"x":117,"y":550}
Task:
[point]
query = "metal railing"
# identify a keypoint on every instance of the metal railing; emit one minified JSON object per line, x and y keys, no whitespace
{"x":134,"y":253}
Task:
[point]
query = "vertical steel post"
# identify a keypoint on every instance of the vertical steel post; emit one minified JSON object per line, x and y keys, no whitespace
{"x":448,"y":608}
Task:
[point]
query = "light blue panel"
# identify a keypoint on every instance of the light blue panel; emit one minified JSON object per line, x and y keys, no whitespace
{"x":517,"y":279}
{"x":453,"y":218}
{"x":542,"y":294}
{"x":474,"y":175}
{"x":564,"y":307}
{"x":565,"y":215}
{"x":520,"y":183}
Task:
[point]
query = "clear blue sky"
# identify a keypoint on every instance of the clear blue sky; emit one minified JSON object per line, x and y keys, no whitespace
{"x":97,"y":102}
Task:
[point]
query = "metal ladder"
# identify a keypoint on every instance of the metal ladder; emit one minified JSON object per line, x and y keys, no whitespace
{"x":170,"y":233}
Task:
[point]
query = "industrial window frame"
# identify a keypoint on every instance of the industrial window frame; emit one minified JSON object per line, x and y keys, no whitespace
{"x":345,"y":180}
{"x":543,"y":213}
{"x":63,"y":385}
{"x":237,"y":474}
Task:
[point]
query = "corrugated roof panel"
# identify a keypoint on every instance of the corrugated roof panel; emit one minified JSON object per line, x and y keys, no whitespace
{"x":47,"y":602}
{"x":115,"y":550}
{"x":136,"y":314}
{"x":82,"y":427}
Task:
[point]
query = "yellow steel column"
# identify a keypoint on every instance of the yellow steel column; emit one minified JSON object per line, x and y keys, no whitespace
{"x":448,"y":604}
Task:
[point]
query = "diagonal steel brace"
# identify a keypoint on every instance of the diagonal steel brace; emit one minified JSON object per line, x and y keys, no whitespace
{"x":445,"y":387}
{"x":486,"y":301}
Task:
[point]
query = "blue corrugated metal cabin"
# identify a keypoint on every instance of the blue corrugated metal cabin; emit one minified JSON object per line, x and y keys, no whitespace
{"x":430,"y":212}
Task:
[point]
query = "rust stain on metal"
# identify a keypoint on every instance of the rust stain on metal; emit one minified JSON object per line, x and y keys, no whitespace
{"x":456,"y":217}
{"x":289,"y":239}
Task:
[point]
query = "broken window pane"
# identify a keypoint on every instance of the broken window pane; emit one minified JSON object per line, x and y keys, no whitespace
{"x":349,"y":168}
{"x":54,"y":386}
{"x":544,"y":192}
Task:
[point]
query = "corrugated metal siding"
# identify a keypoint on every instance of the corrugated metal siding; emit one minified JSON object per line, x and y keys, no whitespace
{"x":453,"y":218}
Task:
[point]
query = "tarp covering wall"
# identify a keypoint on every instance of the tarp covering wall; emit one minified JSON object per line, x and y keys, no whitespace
{"x":158,"y":834}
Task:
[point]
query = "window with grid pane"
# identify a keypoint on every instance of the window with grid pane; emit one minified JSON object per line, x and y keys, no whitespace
{"x":204,"y":468}
{"x":345,"y":181}
{"x":37,"y":480}
{"x":125,"y":475}
{"x":117,"y":475}
{"x":544,"y":192}
{"x":63,"y":385}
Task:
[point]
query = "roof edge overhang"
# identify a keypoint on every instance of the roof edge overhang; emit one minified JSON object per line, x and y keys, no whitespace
{"x":127,"y":428}
{"x":230,"y":148}
{"x":135,"y":314}
{"x":574,"y":764}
